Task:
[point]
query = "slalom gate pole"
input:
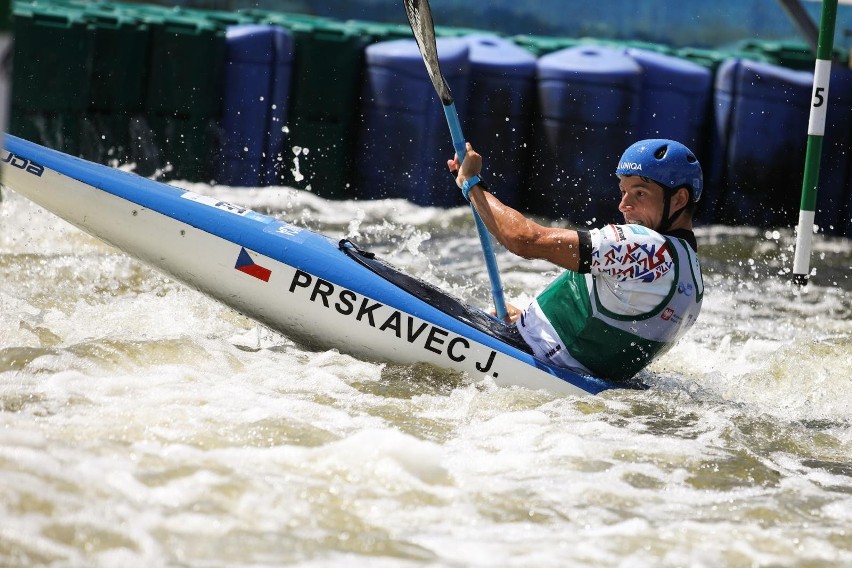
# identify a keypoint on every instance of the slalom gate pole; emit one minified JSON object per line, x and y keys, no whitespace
{"x":813,"y":154}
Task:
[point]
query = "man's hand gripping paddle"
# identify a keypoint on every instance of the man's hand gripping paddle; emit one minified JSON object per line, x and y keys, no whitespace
{"x":420,"y":17}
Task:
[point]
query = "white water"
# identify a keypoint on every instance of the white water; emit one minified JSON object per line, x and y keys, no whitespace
{"x":142,"y":424}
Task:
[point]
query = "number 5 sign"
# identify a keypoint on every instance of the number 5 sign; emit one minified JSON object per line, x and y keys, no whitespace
{"x":822,"y":74}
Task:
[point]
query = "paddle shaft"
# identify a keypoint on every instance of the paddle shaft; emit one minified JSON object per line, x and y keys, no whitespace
{"x":484,"y":236}
{"x":813,"y":153}
{"x":420,"y":18}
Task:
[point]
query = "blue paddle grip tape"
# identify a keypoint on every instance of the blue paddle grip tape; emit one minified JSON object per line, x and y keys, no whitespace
{"x":455,"y":130}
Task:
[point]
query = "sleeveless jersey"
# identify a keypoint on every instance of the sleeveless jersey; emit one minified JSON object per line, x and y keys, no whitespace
{"x":643,"y":292}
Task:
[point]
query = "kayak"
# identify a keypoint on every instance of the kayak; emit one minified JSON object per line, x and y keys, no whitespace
{"x":322,"y":292}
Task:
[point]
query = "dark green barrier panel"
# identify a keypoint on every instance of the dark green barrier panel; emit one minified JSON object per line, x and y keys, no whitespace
{"x":323,"y":107}
{"x":287,"y":19}
{"x":375,"y":32}
{"x":51,"y":75}
{"x":709,"y":58}
{"x":179,"y":137}
{"x":793,"y":55}
{"x":446,"y":31}
{"x":187,"y":145}
{"x":118,"y":42}
{"x":119,"y":76}
{"x":103,"y":128}
{"x":635,"y":44}
{"x":119,"y":82}
{"x":186,"y":57}
{"x":542,"y":45}
{"x":183,"y":91}
{"x":53,"y":59}
{"x":223,"y":19}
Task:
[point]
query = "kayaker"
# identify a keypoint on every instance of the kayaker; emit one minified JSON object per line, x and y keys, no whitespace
{"x":630,"y":291}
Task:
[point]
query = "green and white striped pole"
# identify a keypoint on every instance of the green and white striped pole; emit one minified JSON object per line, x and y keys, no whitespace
{"x":813,"y":154}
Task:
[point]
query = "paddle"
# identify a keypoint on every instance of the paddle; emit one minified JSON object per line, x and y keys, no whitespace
{"x":420,"y":18}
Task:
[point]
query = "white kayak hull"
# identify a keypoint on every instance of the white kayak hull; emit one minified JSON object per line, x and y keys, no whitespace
{"x":290,"y":279}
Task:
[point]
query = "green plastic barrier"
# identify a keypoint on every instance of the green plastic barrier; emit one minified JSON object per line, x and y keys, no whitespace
{"x":375,"y":32}
{"x":183,"y":89}
{"x":323,"y":110}
{"x":286,"y":19}
{"x":793,"y":55}
{"x":122,"y":42}
{"x":53,"y":59}
{"x":185,"y":65}
{"x":634,"y":44}
{"x":709,"y":58}
{"x":712,"y":58}
{"x":542,"y":45}
{"x":119,"y":81}
{"x":446,"y":31}
{"x":50,"y":76}
{"x":223,"y":19}
{"x":99,"y":127}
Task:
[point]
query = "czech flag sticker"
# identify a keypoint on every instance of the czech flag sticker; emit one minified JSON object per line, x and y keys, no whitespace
{"x":247,"y":265}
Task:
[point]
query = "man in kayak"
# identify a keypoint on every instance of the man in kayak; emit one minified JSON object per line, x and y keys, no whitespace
{"x":630,"y":291}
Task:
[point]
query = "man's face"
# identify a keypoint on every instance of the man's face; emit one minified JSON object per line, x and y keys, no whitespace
{"x":641,"y":201}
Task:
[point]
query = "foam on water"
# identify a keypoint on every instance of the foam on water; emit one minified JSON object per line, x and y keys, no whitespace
{"x":143,"y":424}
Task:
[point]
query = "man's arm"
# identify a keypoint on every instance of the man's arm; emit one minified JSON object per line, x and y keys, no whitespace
{"x":524,"y":236}
{"x":517,"y":233}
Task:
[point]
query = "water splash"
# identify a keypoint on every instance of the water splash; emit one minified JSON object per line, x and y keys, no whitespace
{"x":297,"y":151}
{"x":144,"y":424}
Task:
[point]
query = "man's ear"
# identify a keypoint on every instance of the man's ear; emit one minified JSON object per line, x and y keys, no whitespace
{"x":680,"y":199}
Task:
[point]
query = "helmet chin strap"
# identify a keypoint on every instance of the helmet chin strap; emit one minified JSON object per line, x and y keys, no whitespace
{"x":668,"y":219}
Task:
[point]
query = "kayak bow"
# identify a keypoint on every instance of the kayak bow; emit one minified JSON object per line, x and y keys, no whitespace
{"x":305,"y":285}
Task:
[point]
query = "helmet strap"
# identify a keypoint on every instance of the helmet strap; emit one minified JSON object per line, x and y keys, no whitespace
{"x":668,"y":219}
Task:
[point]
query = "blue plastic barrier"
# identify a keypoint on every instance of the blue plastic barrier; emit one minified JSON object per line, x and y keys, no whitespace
{"x":676,"y":104}
{"x":589,"y":102}
{"x":762,"y":114}
{"x":834,"y":196}
{"x":277,"y":152}
{"x":500,"y":111}
{"x":404,"y":142}
{"x":676,"y":97}
{"x":258,"y":68}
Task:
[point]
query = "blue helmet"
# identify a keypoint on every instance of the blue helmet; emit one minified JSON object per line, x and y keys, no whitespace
{"x":669,"y":163}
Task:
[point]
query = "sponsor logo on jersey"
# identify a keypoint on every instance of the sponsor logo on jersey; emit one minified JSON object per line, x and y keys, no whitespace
{"x":670,"y":315}
{"x":634,"y":261}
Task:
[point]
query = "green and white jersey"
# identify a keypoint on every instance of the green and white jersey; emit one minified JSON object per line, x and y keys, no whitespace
{"x":643,"y":291}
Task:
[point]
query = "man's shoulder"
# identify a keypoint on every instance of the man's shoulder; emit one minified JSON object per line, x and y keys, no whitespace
{"x":624,"y":233}
{"x":631,"y":253}
{"x":618,"y":234}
